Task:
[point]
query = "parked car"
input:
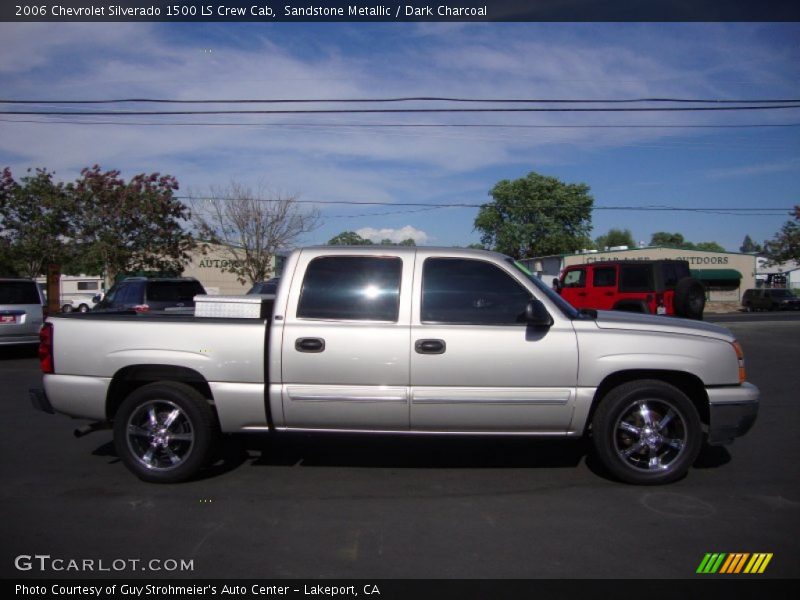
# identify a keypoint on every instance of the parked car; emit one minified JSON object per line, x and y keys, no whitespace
{"x":663,"y":287}
{"x":21,"y":312}
{"x":265,"y":287}
{"x":435,"y":341}
{"x":770,"y":299}
{"x":143,"y":294}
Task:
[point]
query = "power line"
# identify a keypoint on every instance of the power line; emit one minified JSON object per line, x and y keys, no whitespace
{"x":396,"y":111}
{"x":408,"y":99}
{"x":762,"y":211}
{"x":402,"y":125}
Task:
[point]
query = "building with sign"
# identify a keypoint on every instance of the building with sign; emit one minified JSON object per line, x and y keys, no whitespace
{"x":726,"y":275}
{"x":209,"y":268}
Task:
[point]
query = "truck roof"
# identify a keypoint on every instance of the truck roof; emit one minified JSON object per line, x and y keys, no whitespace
{"x":401,"y":250}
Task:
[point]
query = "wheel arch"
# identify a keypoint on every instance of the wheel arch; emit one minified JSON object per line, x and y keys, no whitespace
{"x":688,"y":383}
{"x":130,"y":378}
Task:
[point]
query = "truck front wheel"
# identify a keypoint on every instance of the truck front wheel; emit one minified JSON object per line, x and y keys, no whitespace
{"x":647,"y":432}
{"x":165,"y":432}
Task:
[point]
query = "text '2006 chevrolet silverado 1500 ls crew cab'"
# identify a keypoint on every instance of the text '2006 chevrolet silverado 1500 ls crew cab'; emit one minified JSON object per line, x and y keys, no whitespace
{"x":400,"y":340}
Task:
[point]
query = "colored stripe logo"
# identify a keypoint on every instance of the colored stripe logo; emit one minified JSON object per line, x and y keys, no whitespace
{"x":734,"y":563}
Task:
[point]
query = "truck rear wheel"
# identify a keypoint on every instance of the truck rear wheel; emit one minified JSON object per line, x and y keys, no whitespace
{"x":647,"y":432}
{"x":165,"y":432}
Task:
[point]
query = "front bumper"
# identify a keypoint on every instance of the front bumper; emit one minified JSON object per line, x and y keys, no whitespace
{"x":732,"y":412}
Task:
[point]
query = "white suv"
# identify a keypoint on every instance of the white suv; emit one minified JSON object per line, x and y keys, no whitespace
{"x":21,"y":312}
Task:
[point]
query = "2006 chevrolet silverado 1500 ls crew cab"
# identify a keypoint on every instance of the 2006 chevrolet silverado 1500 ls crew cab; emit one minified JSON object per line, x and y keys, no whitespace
{"x":401,"y":340}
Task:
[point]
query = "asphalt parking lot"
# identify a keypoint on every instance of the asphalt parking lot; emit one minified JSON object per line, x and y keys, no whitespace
{"x":376,"y":507}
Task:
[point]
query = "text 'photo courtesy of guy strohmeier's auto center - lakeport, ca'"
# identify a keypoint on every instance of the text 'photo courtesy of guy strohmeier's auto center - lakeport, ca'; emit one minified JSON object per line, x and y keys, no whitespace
{"x":399,"y":301}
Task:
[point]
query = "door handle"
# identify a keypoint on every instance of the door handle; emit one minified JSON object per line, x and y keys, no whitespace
{"x":430,"y":346}
{"x":309,"y":344}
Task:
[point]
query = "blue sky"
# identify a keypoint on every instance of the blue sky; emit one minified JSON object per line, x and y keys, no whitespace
{"x":324,"y":158}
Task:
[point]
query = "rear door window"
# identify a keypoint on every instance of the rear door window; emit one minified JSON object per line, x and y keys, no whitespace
{"x":604,"y":277}
{"x":351,"y":288}
{"x":173,"y":291}
{"x":19,"y":292}
{"x":636,"y":278}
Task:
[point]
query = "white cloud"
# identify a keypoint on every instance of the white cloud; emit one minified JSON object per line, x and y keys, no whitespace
{"x":395,"y":235}
{"x":345,"y":158}
{"x":759,"y":169}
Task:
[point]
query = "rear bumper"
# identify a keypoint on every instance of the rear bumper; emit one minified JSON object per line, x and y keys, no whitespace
{"x":40,"y":401}
{"x":19,"y":339}
{"x":732,"y":412}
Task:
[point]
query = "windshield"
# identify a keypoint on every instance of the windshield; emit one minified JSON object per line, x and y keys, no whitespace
{"x":562,"y":304}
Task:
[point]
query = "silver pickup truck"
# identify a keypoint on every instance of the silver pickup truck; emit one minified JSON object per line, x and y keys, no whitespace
{"x":407,"y":341}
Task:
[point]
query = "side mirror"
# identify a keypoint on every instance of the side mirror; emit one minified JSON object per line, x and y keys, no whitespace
{"x":536,"y":314}
{"x":557,"y":284}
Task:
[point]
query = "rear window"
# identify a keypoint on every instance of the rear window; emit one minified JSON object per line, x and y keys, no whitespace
{"x":173,"y":291}
{"x":362,"y":288}
{"x":780,"y":294}
{"x":636,"y":278}
{"x":19,"y":292}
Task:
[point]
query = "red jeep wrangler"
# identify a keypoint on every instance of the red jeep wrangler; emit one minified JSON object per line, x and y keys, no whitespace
{"x":663,"y":287}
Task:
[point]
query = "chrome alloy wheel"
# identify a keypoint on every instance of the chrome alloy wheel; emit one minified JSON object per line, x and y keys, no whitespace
{"x":160,"y":435}
{"x":650,"y":435}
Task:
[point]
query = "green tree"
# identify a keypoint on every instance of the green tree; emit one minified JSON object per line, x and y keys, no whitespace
{"x":749,"y":246}
{"x":709,"y":247}
{"x":408,"y":242}
{"x":615,"y":237}
{"x":130,"y":226}
{"x":35,"y":215}
{"x":349,"y":238}
{"x":785,"y":246}
{"x":674,"y":240}
{"x":7,"y":267}
{"x":536,"y":215}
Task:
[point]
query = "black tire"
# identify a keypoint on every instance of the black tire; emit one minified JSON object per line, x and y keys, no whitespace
{"x":84,"y":308}
{"x":647,"y":432}
{"x":748,"y":307}
{"x":690,"y":298}
{"x":165,"y":432}
{"x":67,"y":308}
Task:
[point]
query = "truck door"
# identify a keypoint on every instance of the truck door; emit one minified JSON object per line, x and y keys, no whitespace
{"x":604,"y":287}
{"x":345,"y":342}
{"x":475,"y":364}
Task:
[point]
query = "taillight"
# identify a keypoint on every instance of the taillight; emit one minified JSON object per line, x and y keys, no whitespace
{"x":46,"y":362}
{"x":740,"y":358}
{"x":141,"y":308}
